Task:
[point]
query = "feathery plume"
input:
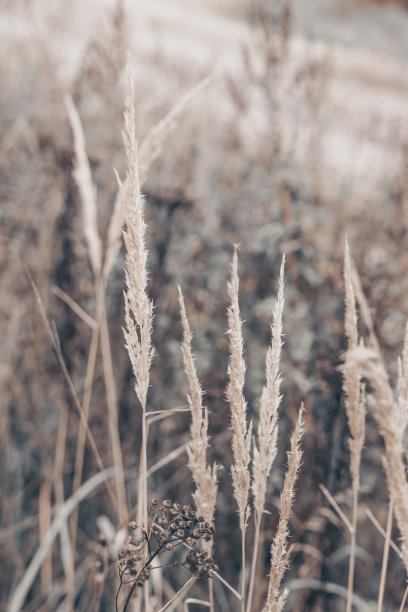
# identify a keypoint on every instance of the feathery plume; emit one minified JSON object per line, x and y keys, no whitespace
{"x":138,"y":306}
{"x":241,"y":433}
{"x":150,"y":149}
{"x":204,"y":476}
{"x":279,"y":547}
{"x":265,"y":451}
{"x":386,"y":413}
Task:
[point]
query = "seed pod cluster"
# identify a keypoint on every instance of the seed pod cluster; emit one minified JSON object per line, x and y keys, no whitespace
{"x":170,"y":525}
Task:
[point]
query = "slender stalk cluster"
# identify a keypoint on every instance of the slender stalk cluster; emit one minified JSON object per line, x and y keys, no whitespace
{"x":87,"y":190}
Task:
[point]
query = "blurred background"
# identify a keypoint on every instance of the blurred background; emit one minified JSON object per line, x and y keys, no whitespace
{"x":299,"y":137}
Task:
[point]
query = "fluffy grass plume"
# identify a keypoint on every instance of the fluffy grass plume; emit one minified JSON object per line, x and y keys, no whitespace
{"x":266,"y":446}
{"x":387,"y":415}
{"x":241,"y":432}
{"x":204,"y":475}
{"x":138,"y":306}
{"x":279,"y":547}
{"x":150,"y":149}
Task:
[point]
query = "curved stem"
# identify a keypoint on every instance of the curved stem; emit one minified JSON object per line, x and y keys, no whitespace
{"x":111,"y":399}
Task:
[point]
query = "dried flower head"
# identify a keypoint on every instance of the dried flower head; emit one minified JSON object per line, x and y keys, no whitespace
{"x":172,"y":525}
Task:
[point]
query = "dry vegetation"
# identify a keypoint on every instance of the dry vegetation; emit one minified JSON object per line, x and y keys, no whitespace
{"x":182,"y":428}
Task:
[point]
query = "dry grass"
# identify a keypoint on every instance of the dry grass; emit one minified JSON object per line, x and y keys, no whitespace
{"x":79,"y":461}
{"x":205,"y":476}
{"x":241,"y":432}
{"x":279,"y":547}
{"x":354,"y":392}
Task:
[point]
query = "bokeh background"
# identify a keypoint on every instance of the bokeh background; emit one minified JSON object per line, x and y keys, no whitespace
{"x":299,"y":137}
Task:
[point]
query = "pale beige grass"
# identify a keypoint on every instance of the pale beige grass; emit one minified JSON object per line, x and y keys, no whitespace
{"x":150,"y":148}
{"x":265,"y":448}
{"x":138,"y":306}
{"x":241,"y":432}
{"x":87,"y":190}
{"x":279,"y":548}
{"x":391,"y":424}
{"x":354,"y":391}
{"x":204,"y":475}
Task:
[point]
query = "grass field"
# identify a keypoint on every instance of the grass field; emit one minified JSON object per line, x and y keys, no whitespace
{"x":204,"y":364}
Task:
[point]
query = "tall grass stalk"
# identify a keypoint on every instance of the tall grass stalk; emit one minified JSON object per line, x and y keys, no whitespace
{"x":87,"y":192}
{"x":138,"y":306}
{"x":266,"y":447}
{"x":392,"y":419}
{"x":149,"y":150}
{"x":204,"y":476}
{"x":279,"y":548}
{"x":355,"y":407}
{"x":86,"y":403}
{"x":241,"y":433}
{"x":53,"y":336}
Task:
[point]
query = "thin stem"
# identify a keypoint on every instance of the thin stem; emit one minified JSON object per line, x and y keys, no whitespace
{"x":254,"y":561}
{"x":384,"y":535}
{"x":111,"y":399}
{"x":129,"y":596}
{"x":86,"y":402}
{"x":350,"y":583}
{"x":385,"y":558}
{"x":336,"y":506}
{"x":145,"y":433}
{"x":61,"y":516}
{"x":52,"y":333}
{"x":170,"y":605}
{"x":404,"y":599}
{"x":243,"y":533}
{"x":227,"y":585}
{"x":149,"y":560}
{"x":211,"y":594}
